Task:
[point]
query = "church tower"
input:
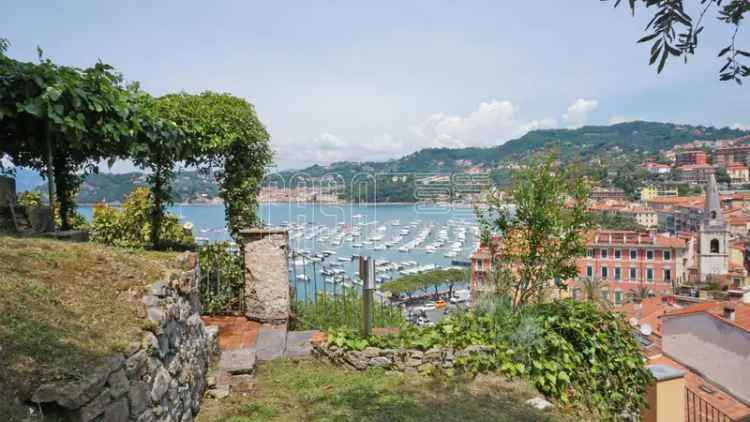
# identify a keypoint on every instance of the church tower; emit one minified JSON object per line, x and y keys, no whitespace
{"x":714,"y":236}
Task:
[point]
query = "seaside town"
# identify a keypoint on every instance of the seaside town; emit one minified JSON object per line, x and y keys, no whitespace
{"x":388,"y":212}
{"x":683,"y":279}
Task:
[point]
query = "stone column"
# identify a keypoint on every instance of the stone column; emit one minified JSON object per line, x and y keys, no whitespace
{"x":267,"y":289}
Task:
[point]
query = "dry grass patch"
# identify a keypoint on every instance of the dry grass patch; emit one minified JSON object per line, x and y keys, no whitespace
{"x":64,"y":306}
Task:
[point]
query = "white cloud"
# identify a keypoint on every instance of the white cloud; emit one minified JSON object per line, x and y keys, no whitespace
{"x":618,"y":119}
{"x":328,"y":148}
{"x":577,"y":113}
{"x":492,"y":123}
{"x":740,"y":126}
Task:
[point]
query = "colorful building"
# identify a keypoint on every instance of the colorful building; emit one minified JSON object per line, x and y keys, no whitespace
{"x":627,"y":260}
{"x":691,"y":157}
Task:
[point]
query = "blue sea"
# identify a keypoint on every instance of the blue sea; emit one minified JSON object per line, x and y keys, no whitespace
{"x":402,"y":238}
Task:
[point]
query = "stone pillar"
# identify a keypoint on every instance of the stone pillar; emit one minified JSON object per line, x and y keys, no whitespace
{"x":7,"y":190}
{"x":666,"y":397}
{"x":267,"y":295}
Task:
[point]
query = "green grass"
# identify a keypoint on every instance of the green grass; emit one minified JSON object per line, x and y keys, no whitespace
{"x":288,"y":390}
{"x":65,"y":306}
{"x":342,"y":311}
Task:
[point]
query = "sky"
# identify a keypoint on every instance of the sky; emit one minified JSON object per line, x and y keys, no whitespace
{"x":361,"y":81}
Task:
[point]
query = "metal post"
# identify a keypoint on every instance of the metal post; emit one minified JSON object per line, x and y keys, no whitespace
{"x":367,"y":275}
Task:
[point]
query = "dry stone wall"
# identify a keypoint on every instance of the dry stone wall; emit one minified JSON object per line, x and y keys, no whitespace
{"x":160,"y":378}
{"x":401,"y":360}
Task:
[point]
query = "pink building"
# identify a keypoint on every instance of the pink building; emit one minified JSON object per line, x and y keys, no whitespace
{"x":629,"y":259}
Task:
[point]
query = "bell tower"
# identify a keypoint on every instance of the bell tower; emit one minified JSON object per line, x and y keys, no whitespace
{"x":714,"y":236}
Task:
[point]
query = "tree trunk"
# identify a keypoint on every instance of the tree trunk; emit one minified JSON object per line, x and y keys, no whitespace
{"x":63,"y":190}
{"x":50,"y":177}
{"x":157,"y":212}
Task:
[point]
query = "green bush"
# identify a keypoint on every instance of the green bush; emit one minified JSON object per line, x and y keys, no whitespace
{"x":130,"y":227}
{"x":33,"y":199}
{"x":342,"y":311}
{"x":29,"y":199}
{"x":222,"y":278}
{"x":574,"y":352}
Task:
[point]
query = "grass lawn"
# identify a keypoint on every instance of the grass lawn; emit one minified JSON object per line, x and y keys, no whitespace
{"x":64,"y":306}
{"x":307,"y":390}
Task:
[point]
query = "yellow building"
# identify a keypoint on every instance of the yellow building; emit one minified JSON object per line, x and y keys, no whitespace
{"x":650,"y":192}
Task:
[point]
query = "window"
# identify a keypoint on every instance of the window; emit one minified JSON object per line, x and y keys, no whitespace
{"x":605,"y":294}
{"x":649,"y":274}
{"x":604,"y":273}
{"x":480,"y":265}
{"x":667,"y":255}
{"x":713,"y":215}
{"x":589,"y":271}
{"x":590,"y":253}
{"x":618,"y":297}
{"x":633,"y":254}
{"x":618,"y":274}
{"x":604,"y":253}
{"x":618,"y":253}
{"x":714,"y":245}
{"x":667,"y":275}
{"x":633,"y":275}
{"x":650,"y":255}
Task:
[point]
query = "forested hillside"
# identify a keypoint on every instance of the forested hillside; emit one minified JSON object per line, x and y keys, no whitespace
{"x":611,"y":145}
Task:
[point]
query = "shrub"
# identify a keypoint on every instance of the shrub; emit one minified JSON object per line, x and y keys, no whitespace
{"x":574,"y":352}
{"x":29,"y":199}
{"x":33,"y":199}
{"x":342,"y":311}
{"x":222,"y":278}
{"x":130,"y":227}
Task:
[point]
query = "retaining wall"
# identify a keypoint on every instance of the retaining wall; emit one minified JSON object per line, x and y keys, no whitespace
{"x":160,"y":378}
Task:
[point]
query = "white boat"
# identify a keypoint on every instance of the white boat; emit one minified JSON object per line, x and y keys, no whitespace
{"x":403,"y":249}
{"x":303,"y":277}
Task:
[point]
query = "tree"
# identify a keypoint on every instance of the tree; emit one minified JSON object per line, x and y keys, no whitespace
{"x":158,"y":144}
{"x":674,"y":31}
{"x":230,"y":139}
{"x":542,"y":235}
{"x":61,"y":121}
{"x":592,"y":291}
{"x":434,"y":278}
{"x":638,"y":294}
{"x":722,"y":176}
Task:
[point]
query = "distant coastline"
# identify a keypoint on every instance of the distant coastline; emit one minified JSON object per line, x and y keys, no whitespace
{"x":362,"y":204}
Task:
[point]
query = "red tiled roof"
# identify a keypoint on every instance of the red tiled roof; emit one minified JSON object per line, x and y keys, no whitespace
{"x":650,"y":312}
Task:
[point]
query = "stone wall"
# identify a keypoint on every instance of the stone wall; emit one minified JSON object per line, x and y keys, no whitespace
{"x":401,"y":360}
{"x":160,"y":378}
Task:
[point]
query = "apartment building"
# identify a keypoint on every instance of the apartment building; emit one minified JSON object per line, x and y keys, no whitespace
{"x":691,"y":157}
{"x":628,"y":260}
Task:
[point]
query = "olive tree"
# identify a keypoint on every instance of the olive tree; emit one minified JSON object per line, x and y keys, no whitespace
{"x":676,"y":26}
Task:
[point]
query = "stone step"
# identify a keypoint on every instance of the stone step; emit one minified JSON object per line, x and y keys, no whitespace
{"x":299,"y":344}
{"x":271,"y":343}
{"x":238,"y":362}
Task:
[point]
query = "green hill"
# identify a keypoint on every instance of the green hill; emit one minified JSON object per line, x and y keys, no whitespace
{"x":625,"y":142}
